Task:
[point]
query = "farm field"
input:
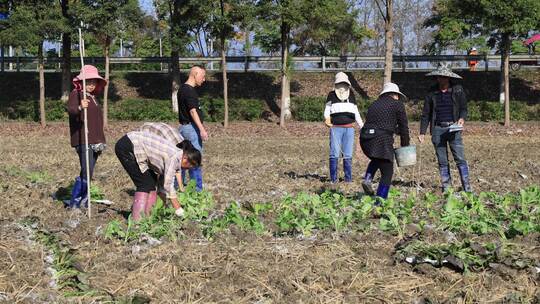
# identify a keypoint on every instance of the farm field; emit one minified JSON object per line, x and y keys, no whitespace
{"x":287,"y":237}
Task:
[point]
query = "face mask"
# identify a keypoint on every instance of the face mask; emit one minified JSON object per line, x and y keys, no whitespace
{"x":342,"y":91}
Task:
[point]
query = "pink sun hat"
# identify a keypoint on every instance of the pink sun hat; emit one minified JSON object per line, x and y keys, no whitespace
{"x":89,"y":72}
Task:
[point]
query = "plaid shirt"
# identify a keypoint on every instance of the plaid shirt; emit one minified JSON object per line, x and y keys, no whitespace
{"x":163,"y":130}
{"x":158,"y":154}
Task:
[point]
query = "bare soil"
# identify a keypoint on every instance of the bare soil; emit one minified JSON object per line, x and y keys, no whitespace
{"x":248,"y":162}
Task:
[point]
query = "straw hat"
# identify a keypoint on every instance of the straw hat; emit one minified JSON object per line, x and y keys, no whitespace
{"x":390,"y":87}
{"x":444,"y":70}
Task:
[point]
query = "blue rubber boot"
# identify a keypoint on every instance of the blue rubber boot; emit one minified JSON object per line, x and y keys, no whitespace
{"x":84,"y":195}
{"x":382,"y":191}
{"x":368,"y":179}
{"x":347,"y":169}
{"x":464,"y":174}
{"x":446,"y":179}
{"x":196,"y":175}
{"x":333,"y":170}
{"x":76,"y":195}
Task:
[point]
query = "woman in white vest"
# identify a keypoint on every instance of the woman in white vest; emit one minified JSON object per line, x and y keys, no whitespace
{"x":340,"y":115}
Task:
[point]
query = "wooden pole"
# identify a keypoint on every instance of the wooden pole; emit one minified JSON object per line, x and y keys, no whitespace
{"x":81,"y":53}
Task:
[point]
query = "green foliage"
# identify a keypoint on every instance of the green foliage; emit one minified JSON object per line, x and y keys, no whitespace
{"x":303,"y":109}
{"x":458,"y":19}
{"x":331,"y":29}
{"x":308,"y":109}
{"x":305,"y":212}
{"x":239,"y":109}
{"x":148,"y":110}
{"x":32,"y":22}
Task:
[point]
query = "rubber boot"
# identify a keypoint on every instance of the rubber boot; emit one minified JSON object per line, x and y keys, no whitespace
{"x":150,"y":202}
{"x":446,"y":179}
{"x":138,"y":207}
{"x":368,"y":179}
{"x":84,"y":194}
{"x":75,"y":193}
{"x":382,"y":193}
{"x":382,"y":190}
{"x":464,"y":174}
{"x":347,"y":169}
{"x":333,"y":170}
{"x":196,"y":175}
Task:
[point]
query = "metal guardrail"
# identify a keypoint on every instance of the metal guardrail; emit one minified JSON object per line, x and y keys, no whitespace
{"x":318,"y":63}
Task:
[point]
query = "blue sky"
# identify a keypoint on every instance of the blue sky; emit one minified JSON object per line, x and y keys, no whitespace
{"x":147,"y":6}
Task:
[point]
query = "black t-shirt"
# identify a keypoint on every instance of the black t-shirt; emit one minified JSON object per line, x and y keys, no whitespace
{"x":188,"y":99}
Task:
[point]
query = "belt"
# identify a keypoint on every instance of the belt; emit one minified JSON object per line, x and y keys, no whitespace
{"x":444,"y":124}
{"x":185,"y":123}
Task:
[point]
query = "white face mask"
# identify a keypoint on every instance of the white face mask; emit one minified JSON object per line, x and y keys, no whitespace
{"x":342,"y":91}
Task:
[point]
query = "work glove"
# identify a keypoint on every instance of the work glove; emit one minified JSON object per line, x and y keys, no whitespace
{"x":179,"y":212}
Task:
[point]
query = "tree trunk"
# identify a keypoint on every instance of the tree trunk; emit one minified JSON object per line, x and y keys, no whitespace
{"x":506,"y":58}
{"x":41,"y":85}
{"x":66,"y":56}
{"x":225,"y":84}
{"x":175,"y":79}
{"x":247,"y":47}
{"x":174,"y":67}
{"x":224,"y":70}
{"x":285,"y":112}
{"x":106,"y":89}
{"x":388,"y":41}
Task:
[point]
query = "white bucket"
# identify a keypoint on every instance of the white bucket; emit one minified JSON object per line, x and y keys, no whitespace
{"x":406,"y":156}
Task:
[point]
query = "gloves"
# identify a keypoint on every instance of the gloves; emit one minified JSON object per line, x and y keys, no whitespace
{"x":179,"y":212}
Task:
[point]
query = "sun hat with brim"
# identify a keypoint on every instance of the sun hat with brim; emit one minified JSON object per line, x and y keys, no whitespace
{"x":342,"y":77}
{"x":444,"y":70}
{"x":86,"y":73}
{"x":390,"y":87}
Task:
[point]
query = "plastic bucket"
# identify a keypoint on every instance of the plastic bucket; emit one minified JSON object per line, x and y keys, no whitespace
{"x":406,"y":156}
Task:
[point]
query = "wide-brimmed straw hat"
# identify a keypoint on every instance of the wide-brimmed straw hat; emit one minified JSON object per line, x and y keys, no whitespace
{"x":390,"y":87}
{"x":444,"y":70}
{"x":86,"y":73}
{"x":342,"y":77}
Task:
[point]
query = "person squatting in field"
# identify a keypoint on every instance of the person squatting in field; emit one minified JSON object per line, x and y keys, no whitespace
{"x":145,"y":156}
{"x":96,"y":137}
{"x":377,"y":137}
{"x":169,"y":133}
{"x":191,"y":118}
{"x":445,"y":111}
{"x":340,"y":115}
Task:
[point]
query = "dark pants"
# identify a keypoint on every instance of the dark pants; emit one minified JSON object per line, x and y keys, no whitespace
{"x":441,"y":139}
{"x":144,"y":182}
{"x":386,"y":167}
{"x":92,"y":159}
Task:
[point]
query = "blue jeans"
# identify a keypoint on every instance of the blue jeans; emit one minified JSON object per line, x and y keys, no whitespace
{"x":341,"y":142}
{"x":93,"y":156}
{"x":192,"y":133}
{"x":441,"y":139}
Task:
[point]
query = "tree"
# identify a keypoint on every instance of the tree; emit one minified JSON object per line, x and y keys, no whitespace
{"x":278,"y":19}
{"x":68,"y":16}
{"x":231,"y":13}
{"x":107,"y":20}
{"x":502,"y":21}
{"x":331,"y":29}
{"x":181,"y":17}
{"x":386,"y":10}
{"x":31,"y":23}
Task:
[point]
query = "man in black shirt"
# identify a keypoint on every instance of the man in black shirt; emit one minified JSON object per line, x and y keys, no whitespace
{"x":191,"y":119}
